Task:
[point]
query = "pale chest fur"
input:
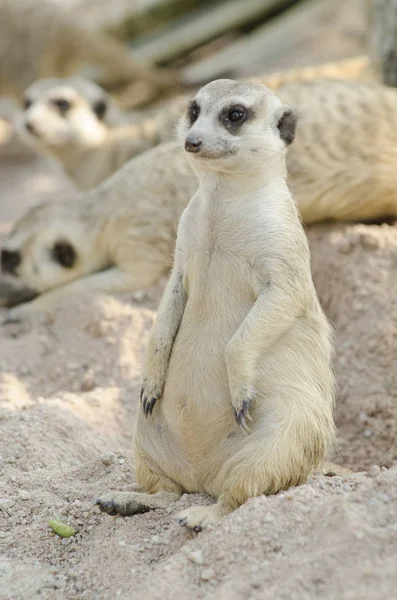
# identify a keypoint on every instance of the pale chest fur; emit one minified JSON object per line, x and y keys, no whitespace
{"x":224,"y":245}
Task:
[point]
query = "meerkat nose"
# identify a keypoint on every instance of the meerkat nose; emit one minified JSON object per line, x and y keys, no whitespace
{"x":193,"y":144}
{"x":9,"y":261}
{"x":31,"y":128}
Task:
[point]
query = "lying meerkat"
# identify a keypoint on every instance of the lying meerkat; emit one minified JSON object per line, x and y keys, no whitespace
{"x":341,"y":168}
{"x":240,"y":334}
{"x":41,"y":39}
{"x":115,"y":238}
{"x":74,"y":121}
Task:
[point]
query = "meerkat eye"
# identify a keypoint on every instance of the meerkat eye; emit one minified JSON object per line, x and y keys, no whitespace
{"x":194,"y":111}
{"x":27,"y":103}
{"x":100,"y":108}
{"x":62,"y":104}
{"x":64,"y":254}
{"x":237,"y":114}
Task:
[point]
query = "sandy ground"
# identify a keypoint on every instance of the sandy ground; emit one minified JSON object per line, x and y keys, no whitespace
{"x":69,"y":386}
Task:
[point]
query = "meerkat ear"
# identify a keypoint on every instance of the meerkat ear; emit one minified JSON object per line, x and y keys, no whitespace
{"x":286,"y":124}
{"x":100,"y":107}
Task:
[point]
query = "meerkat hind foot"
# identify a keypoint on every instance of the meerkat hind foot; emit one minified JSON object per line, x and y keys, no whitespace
{"x":198,"y":518}
{"x":134,"y":503}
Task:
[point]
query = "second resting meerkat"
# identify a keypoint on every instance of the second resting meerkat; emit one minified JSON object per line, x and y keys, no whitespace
{"x":120,"y":236}
{"x":74,"y":121}
{"x":238,"y":388}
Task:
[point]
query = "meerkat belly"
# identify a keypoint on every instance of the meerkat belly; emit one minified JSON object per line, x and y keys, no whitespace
{"x":196,"y":409}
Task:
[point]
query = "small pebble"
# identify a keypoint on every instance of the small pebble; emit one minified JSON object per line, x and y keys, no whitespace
{"x":88,"y":382}
{"x":268,"y":518}
{"x":24,"y":495}
{"x":139,"y":296}
{"x":108,"y":458}
{"x":374,"y":471}
{"x":196,"y":557}
{"x":6,"y":503}
{"x":156,"y":539}
{"x":207,"y":574}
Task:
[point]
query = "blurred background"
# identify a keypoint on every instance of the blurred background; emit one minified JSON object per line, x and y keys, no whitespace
{"x":195,"y":41}
{"x":243,"y":37}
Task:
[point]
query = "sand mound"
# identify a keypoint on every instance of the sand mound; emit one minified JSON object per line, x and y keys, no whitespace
{"x":69,"y":386}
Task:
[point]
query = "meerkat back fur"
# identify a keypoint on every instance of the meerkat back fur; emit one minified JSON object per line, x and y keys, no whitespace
{"x":238,"y":388}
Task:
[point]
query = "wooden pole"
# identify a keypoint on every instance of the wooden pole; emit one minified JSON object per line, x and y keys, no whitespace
{"x":383,"y":39}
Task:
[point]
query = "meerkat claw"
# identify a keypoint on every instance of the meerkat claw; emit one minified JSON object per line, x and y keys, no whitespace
{"x":106,"y":507}
{"x":243,"y":414}
{"x":147,"y":405}
{"x":240,"y":418}
{"x":183,"y":522}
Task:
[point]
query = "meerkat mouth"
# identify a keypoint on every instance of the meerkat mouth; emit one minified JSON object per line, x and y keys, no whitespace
{"x":13,"y":291}
{"x":216,"y":154}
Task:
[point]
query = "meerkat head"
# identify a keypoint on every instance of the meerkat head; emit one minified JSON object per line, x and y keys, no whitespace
{"x":63,"y":113}
{"x":50,"y":246}
{"x":234,"y":126}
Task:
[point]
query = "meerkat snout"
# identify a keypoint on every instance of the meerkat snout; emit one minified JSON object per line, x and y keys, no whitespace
{"x":10,"y":260}
{"x":31,"y":128}
{"x":193,"y":143}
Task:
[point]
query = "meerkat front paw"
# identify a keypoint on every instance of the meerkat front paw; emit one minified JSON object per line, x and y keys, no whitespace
{"x":14,"y":315}
{"x":242,"y":400}
{"x":151,"y":392}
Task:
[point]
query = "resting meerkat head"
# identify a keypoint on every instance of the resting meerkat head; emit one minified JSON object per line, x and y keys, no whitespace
{"x":234,"y":127}
{"x":60,"y":114}
{"x":49,"y":246}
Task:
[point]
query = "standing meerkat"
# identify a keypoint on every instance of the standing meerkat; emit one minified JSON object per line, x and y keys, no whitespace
{"x":74,"y":121}
{"x":238,"y":388}
{"x":41,"y":39}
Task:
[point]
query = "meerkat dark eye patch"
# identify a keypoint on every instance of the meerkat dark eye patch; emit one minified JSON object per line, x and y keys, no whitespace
{"x":287,"y":125}
{"x":27,"y":103}
{"x":100,"y":108}
{"x":234,"y":116}
{"x":64,"y":254}
{"x":62,"y":104}
{"x":193,"y":112}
